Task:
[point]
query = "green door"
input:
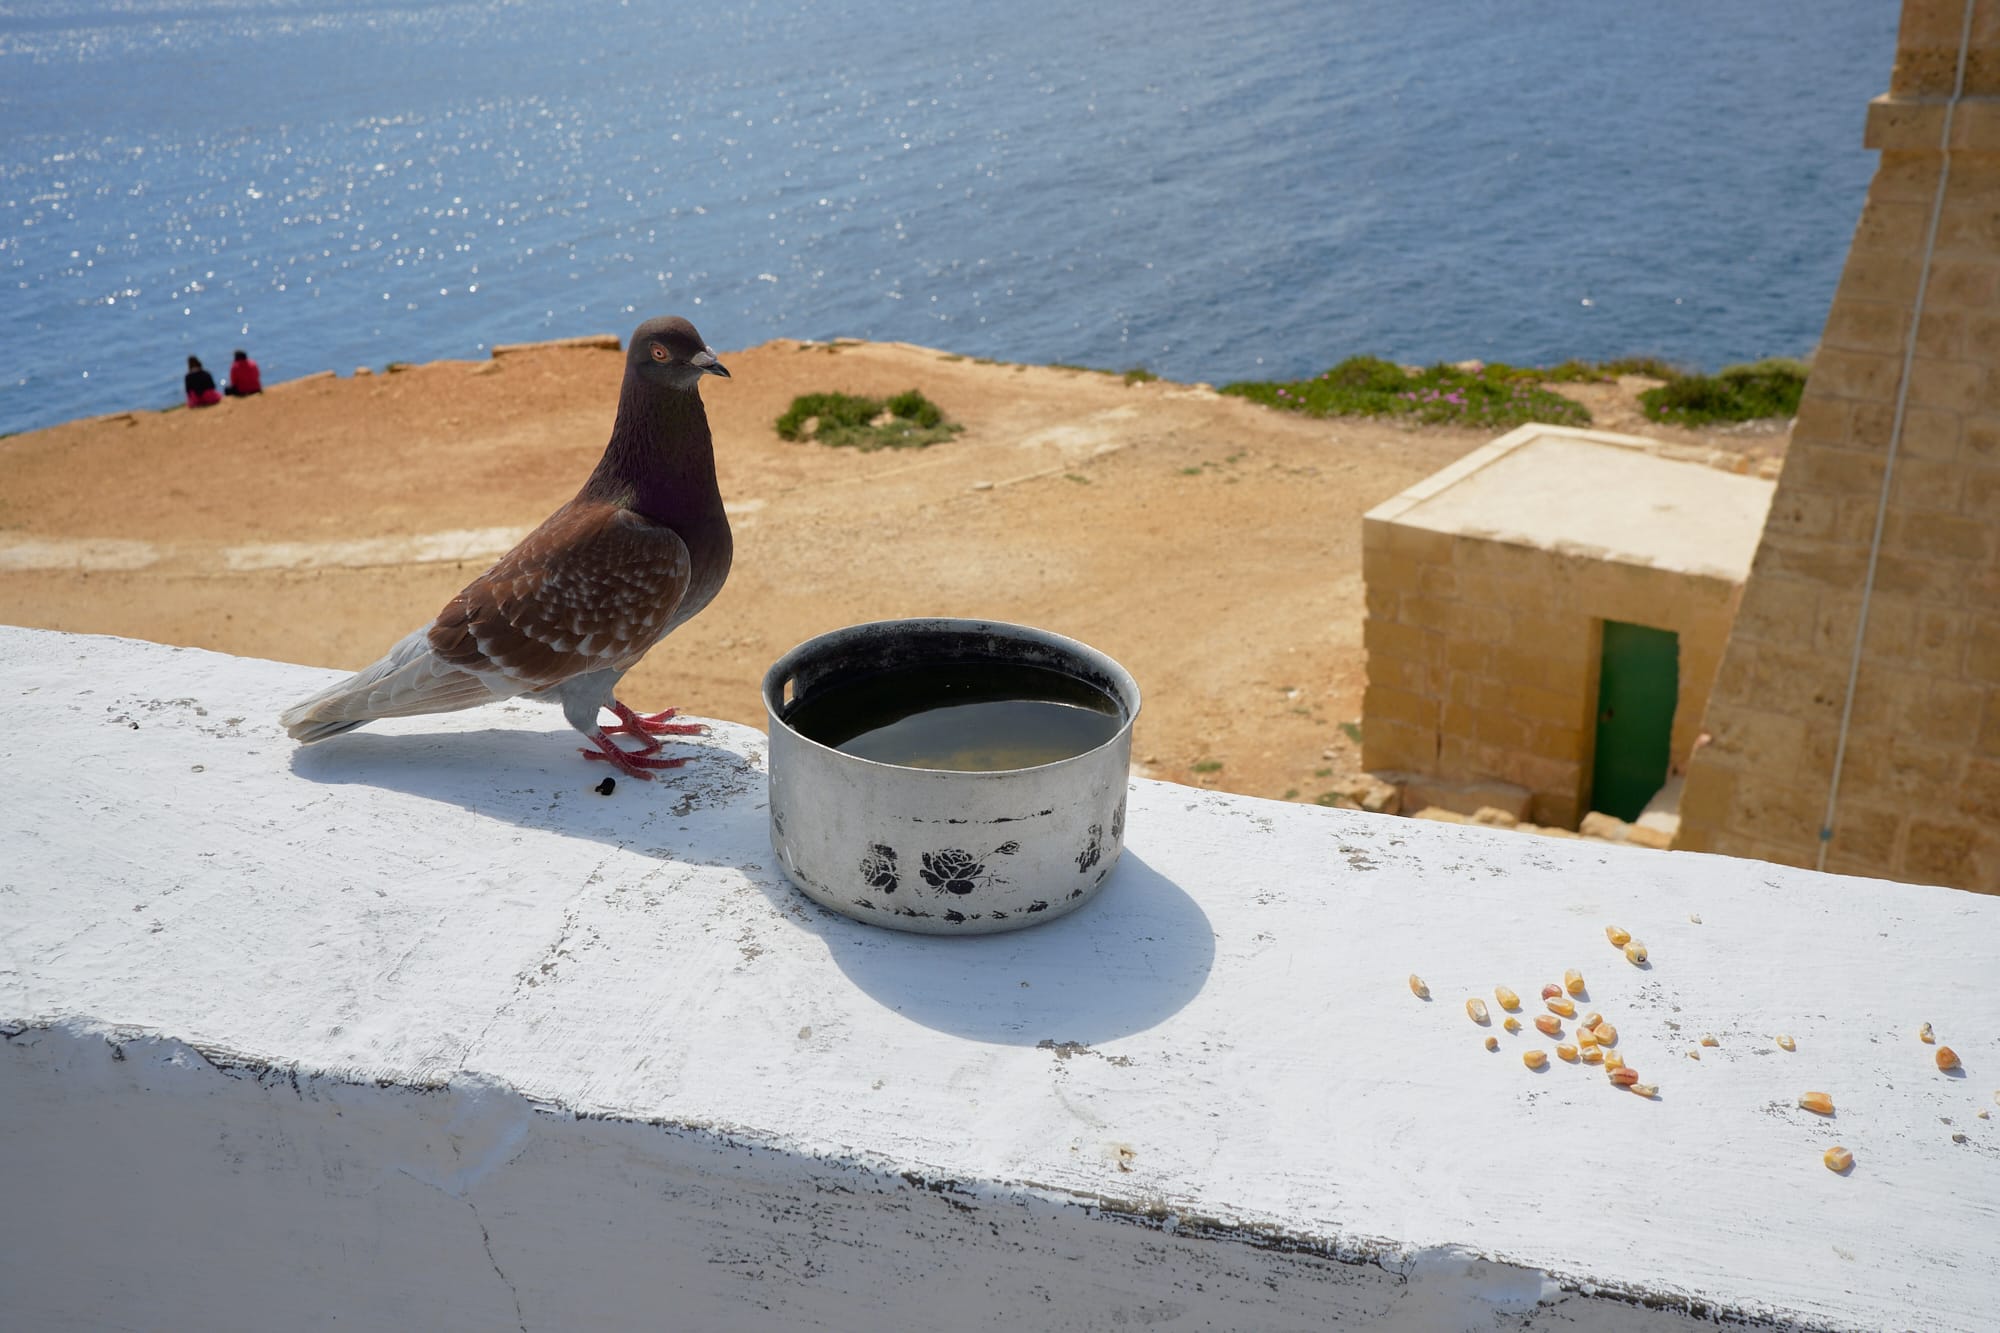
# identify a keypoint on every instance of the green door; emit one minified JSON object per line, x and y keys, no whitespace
{"x":1638,"y":684}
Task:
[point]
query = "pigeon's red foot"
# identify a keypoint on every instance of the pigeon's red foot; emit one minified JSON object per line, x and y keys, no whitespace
{"x":648,"y":725}
{"x":639,"y":764}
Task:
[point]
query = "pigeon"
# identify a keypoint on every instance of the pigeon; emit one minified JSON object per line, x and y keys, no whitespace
{"x":565,"y":614}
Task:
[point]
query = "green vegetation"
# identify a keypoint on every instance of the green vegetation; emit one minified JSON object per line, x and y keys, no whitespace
{"x":1139,"y":375}
{"x":847,"y":421}
{"x":1497,"y":395}
{"x":1351,"y":730}
{"x":1768,"y":388}
{"x":1206,"y":766}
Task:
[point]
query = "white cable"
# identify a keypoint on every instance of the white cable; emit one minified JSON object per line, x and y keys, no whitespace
{"x":1895,"y":435}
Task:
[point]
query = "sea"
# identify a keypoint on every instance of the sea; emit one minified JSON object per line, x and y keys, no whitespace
{"x":1252,"y":190}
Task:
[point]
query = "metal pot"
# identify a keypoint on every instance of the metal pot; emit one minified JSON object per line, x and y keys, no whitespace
{"x":944,"y":852}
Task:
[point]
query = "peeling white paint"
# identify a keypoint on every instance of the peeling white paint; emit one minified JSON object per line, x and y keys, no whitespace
{"x":490,"y":1050}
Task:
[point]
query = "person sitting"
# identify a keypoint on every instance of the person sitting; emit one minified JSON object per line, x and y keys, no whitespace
{"x":200,"y":385}
{"x":244,"y":379}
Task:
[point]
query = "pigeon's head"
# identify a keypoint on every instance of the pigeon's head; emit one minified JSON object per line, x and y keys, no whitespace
{"x":668,"y":351}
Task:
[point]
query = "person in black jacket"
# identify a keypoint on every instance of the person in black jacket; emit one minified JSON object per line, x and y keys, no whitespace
{"x":200,"y":385}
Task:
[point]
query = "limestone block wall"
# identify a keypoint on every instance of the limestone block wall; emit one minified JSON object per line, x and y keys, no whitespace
{"x":1918,"y":794}
{"x":1483,"y":656}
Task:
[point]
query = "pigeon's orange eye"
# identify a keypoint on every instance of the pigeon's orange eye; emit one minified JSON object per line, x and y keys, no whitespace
{"x":659,"y":352}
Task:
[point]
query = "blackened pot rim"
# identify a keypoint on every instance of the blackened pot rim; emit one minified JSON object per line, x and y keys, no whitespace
{"x":1123,"y":691}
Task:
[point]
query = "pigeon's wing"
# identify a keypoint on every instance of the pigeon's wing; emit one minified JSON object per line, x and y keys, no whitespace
{"x":592,"y":588}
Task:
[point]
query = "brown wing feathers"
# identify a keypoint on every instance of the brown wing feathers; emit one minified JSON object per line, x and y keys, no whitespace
{"x":594,"y":587}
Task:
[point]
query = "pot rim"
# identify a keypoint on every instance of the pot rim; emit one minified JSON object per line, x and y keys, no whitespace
{"x":782,"y":670}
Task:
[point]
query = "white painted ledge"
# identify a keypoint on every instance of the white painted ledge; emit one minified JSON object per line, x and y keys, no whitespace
{"x":412,"y":1029}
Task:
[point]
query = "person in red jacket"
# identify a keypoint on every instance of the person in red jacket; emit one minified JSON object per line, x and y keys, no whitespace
{"x":243,"y":377}
{"x":200,"y":385}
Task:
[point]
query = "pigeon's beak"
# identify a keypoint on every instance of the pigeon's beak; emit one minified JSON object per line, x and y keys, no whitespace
{"x":705,"y":360}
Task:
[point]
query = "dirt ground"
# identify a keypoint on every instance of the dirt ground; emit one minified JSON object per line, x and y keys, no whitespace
{"x":1212,"y":546}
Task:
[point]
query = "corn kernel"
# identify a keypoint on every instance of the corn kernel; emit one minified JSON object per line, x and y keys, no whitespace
{"x":1586,"y":1037}
{"x":1837,"y":1158}
{"x":1924,"y":1034}
{"x":1573,"y":982}
{"x":1694,"y":1052}
{"x":1618,"y":935}
{"x":1984,"y":1114}
{"x":1606,"y":1034}
{"x":1612,"y":1060}
{"x":1418,"y":988}
{"x":1592,"y":1020}
{"x":1645,"y":1090}
{"x":1568,"y":1052}
{"x":1708,"y":1039}
{"x":1947,"y":1058}
{"x":1695,"y":917}
{"x":1475,"y":1009}
{"x":1492,"y":1043}
{"x":1561,"y":1005}
{"x":1635,"y":953}
{"x":1512,"y":1024}
{"x":1591,"y":1055}
{"x":1819,"y":1103}
{"x":1549,"y":1024}
{"x":1508,"y":999}
{"x":1550,"y":991}
{"x":1785,"y":1043}
{"x":1624,"y":1077}
{"x":1534,"y":1059}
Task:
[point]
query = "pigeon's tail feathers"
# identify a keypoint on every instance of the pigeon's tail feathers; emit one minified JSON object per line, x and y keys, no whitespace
{"x":408,"y":681}
{"x":305,"y":733}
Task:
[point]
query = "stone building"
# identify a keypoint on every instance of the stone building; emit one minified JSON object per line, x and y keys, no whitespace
{"x":1548,"y":612}
{"x":1856,"y":715}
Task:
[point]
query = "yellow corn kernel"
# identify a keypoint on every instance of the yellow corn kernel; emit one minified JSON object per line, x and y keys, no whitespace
{"x":1644,"y":1090}
{"x":1606,"y":1034}
{"x":1785,"y":1043}
{"x":1708,"y":1039}
{"x":1418,"y":988}
{"x":1592,"y":1020}
{"x":1612,"y":1060}
{"x":1924,"y":1034}
{"x":1694,"y":1052}
{"x":1947,"y":1058}
{"x":1624,"y":1077}
{"x":1558,"y":1005}
{"x":1534,"y":1059}
{"x":1837,"y":1158}
{"x":1819,"y":1103}
{"x":1475,"y":1009}
{"x":1550,"y":991}
{"x":1635,"y":953}
{"x":1586,"y":1037}
{"x":1508,"y":999}
{"x":1512,"y":1024}
{"x":1549,"y":1024}
{"x":1573,"y":982}
{"x":1492,"y":1043}
{"x":1618,"y":935}
{"x":1591,"y":1055}
{"x":1568,"y":1052}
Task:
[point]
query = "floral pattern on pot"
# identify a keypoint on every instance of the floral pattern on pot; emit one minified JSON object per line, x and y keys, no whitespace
{"x":878,"y":868}
{"x":1092,"y":851}
{"x":955,"y":870}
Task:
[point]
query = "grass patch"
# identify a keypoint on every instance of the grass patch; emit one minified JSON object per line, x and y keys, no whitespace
{"x":1206,"y":766}
{"x":848,"y":421}
{"x":1497,"y":395}
{"x":1769,"y":388}
{"x":1351,"y":730}
{"x":1291,"y":794}
{"x":1139,"y":375}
